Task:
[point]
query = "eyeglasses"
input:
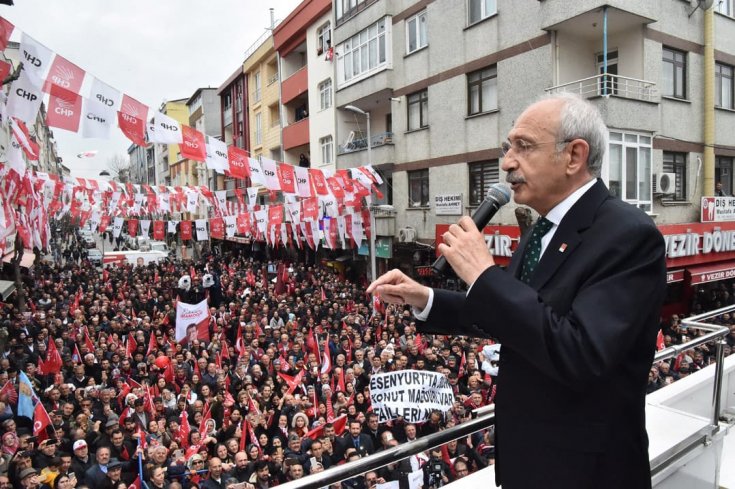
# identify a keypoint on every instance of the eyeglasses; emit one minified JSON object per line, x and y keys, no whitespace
{"x":522,"y":147}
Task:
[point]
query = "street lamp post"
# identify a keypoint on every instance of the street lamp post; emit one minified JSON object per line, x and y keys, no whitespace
{"x":357,"y":110}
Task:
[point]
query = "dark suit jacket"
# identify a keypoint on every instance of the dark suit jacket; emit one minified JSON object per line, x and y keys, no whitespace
{"x":578,"y":343}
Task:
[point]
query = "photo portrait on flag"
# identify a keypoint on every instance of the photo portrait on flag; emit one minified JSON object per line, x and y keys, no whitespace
{"x":192,"y":322}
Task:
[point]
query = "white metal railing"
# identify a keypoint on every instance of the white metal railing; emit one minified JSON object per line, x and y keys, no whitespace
{"x":357,"y":144}
{"x":607,"y":84}
{"x":273,"y":79}
{"x":259,"y":41}
{"x":227,"y":116}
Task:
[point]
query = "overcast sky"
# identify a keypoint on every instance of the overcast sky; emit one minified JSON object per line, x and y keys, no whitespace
{"x":153,"y":50}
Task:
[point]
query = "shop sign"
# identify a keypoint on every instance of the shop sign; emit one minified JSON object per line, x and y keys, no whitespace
{"x":718,"y":209}
{"x":501,"y":240}
{"x":448,"y":205}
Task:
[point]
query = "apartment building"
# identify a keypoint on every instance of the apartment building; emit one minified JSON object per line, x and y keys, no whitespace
{"x":235,"y":121}
{"x":142,"y":164}
{"x":171,"y":170}
{"x":303,"y":43}
{"x":205,"y":115}
{"x":261,"y":70}
{"x":443,"y":81}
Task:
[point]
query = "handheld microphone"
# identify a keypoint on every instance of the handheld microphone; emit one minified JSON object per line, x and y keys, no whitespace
{"x":497,"y":197}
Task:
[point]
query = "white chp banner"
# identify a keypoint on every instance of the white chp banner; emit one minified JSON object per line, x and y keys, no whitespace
{"x":411,"y":394}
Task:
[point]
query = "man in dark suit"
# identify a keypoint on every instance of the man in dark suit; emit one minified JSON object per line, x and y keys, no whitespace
{"x":357,"y":440}
{"x":576,"y":311}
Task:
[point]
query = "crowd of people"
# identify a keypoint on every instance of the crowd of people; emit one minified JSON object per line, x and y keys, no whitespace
{"x":252,"y":405}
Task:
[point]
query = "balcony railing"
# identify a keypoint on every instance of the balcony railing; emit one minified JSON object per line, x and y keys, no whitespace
{"x":227,"y":117}
{"x":273,"y":79}
{"x":606,"y":85}
{"x":358,"y":144}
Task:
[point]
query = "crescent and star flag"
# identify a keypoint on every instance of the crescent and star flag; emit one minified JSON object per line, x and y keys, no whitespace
{"x":41,"y":421}
{"x":192,"y":322}
{"x":193,"y":146}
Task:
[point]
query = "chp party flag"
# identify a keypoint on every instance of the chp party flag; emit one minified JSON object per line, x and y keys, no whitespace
{"x":217,"y":155}
{"x":270,"y":176}
{"x":131,"y":118}
{"x":238,"y":162}
{"x":192,"y":322}
{"x":6,"y":29}
{"x":159,"y":230}
{"x":35,"y":58}
{"x":64,"y":109}
{"x":64,"y":74}
{"x":201,"y":227}
{"x":24,"y":99}
{"x":287,"y":178}
{"x":164,"y":130}
{"x":185,"y":227}
{"x":217,"y":227}
{"x":193,"y":146}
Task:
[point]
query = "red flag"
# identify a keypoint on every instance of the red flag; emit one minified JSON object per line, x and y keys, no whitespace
{"x":330,"y":409}
{"x":660,"y":343}
{"x":6,"y":29}
{"x":217,"y":228}
{"x":310,"y":209}
{"x":53,"y":358}
{"x":287,"y":178}
{"x":323,"y":294}
{"x":131,"y":346}
{"x":205,"y":417}
{"x":336,"y":188}
{"x":184,"y":429}
{"x":152,"y":345}
{"x":23,"y":136}
{"x":159,"y":230}
{"x":41,"y":421}
{"x":76,"y":356}
{"x":318,"y":181}
{"x":194,"y":146}
{"x":64,"y":74}
{"x":238,"y":160}
{"x":133,"y":227}
{"x":185,"y":228}
{"x":136,"y":484}
{"x":462,"y":364}
{"x":131,"y":119}
{"x":64,"y":109}
{"x":243,"y":438}
{"x":8,"y":392}
{"x":141,"y":438}
{"x":275,"y":215}
{"x":341,"y":381}
{"x":242,"y":221}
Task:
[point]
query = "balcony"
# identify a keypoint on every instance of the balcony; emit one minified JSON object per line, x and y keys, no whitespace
{"x":610,"y":85}
{"x":295,"y":85}
{"x":296,"y":134}
{"x":358,"y":144}
{"x":616,"y":97}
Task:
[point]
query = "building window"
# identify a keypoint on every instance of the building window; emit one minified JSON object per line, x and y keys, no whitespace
{"x":363,"y":53}
{"x":347,"y":7}
{"x":227,"y":100}
{"x":323,"y":38}
{"x":674,"y":73}
{"x":724,"y":86}
{"x":482,"y":90}
{"x":482,"y":175}
{"x":418,"y":188}
{"x":725,"y":7}
{"x":325,"y":94}
{"x":416,"y":32}
{"x":630,"y":168}
{"x":677,"y":163}
{"x":327,"y":149}
{"x":256,"y":85}
{"x":480,"y":9}
{"x":258,"y":128}
{"x":418,"y":110}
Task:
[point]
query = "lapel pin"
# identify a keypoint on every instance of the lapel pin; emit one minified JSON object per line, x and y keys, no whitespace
{"x":563,"y":248}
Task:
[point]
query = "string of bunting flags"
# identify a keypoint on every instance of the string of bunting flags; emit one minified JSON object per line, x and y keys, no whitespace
{"x":314,"y":199}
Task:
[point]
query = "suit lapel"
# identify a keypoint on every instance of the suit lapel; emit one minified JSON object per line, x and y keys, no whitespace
{"x":569,"y":234}
{"x":514,"y":267}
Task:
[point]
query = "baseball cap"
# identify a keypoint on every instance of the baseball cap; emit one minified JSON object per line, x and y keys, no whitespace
{"x":79,"y":444}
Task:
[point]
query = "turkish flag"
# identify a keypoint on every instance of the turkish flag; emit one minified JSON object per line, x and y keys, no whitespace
{"x":287,"y":178}
{"x":238,"y":160}
{"x":64,"y":74}
{"x":194,"y":147}
{"x":217,"y":228}
{"x":41,"y":421}
{"x":660,"y":343}
{"x":159,"y":230}
{"x":131,"y":119}
{"x":318,"y":181}
{"x":243,"y":223}
{"x":185,"y":229}
{"x":64,"y":109}
{"x":132,"y":227}
{"x":6,"y":29}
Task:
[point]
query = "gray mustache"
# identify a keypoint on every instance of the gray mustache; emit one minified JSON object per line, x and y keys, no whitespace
{"x":512,"y":178}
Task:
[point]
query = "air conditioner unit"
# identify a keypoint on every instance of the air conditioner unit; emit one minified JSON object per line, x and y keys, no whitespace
{"x":406,"y":235}
{"x":664,"y":183}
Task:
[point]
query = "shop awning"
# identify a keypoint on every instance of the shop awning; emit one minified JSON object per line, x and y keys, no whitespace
{"x":25,"y":262}
{"x":712,"y":273}
{"x":6,"y":289}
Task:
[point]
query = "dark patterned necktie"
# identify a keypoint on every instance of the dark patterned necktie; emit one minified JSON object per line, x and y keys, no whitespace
{"x":533,"y":248}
